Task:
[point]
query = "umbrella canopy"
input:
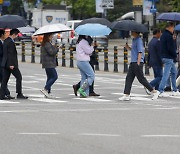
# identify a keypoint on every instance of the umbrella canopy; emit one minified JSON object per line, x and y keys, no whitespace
{"x":12,"y":21}
{"x":177,"y":28}
{"x":53,"y":28}
{"x":93,"y":30}
{"x":170,"y":16}
{"x":129,"y":25}
{"x":26,"y":29}
{"x":101,"y":21}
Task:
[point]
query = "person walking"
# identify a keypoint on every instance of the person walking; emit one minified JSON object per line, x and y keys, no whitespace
{"x":10,"y":65}
{"x":84,"y":49}
{"x":136,"y":67}
{"x":154,"y":58}
{"x":168,"y":55}
{"x":93,"y":61}
{"x":2,"y":37}
{"x":49,"y":63}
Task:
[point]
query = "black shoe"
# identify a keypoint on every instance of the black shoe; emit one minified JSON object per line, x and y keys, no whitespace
{"x":9,"y":97}
{"x":167,"y":89}
{"x":21,"y":96}
{"x":75,"y":90}
{"x":93,"y":94}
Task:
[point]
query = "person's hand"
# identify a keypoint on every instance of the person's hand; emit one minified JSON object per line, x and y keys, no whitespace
{"x":127,"y":46}
{"x":11,"y":67}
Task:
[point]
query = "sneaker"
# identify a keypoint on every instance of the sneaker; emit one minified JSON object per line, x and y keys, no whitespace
{"x":155,"y":95}
{"x":125,"y":98}
{"x":94,"y":94}
{"x":45,"y":92}
{"x":175,"y":93}
{"x":82,"y":92}
{"x":50,"y":96}
{"x":147,"y":91}
{"x":163,"y":94}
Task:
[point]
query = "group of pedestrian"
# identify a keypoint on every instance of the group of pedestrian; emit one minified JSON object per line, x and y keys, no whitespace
{"x":9,"y":65}
{"x":162,"y":58}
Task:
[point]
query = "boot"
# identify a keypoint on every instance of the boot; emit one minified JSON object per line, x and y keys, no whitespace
{"x":82,"y":89}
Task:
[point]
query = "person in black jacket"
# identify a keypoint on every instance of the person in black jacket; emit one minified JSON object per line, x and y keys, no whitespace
{"x":154,"y":58}
{"x":168,"y":55}
{"x":7,"y":92}
{"x":10,"y":65}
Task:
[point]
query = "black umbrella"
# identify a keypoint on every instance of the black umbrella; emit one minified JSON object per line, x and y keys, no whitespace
{"x":169,"y":16}
{"x":94,"y":20}
{"x":129,"y":25}
{"x":12,"y":21}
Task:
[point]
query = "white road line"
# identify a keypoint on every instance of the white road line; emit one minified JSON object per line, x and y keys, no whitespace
{"x":103,"y":135}
{"x":93,"y":99}
{"x":8,"y":102}
{"x":37,"y":133}
{"x":149,"y":136}
{"x":19,"y":111}
{"x":47,"y":100}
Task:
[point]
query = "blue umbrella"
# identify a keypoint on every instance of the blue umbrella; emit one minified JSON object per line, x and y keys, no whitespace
{"x":93,"y":30}
{"x":177,"y":28}
{"x":170,"y":16}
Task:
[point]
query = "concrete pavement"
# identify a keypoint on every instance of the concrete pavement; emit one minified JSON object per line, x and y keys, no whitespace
{"x":102,"y":125}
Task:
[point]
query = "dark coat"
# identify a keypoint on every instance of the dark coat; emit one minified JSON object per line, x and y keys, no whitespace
{"x":154,"y":53}
{"x":1,"y":52}
{"x":9,"y":54}
{"x":167,"y":44}
{"x":48,"y":55}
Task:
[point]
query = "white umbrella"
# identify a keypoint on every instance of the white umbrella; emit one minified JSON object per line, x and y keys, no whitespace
{"x":53,"y":28}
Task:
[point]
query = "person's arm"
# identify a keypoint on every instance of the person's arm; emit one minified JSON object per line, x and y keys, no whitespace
{"x":139,"y":58}
{"x":127,"y":46}
{"x":10,"y":54}
{"x":86,"y":47}
{"x":50,"y":49}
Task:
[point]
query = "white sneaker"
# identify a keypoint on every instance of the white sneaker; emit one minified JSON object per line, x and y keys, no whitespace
{"x":45,"y":92}
{"x":175,"y":93}
{"x":155,"y":95}
{"x":125,"y":98}
{"x":164,"y":94}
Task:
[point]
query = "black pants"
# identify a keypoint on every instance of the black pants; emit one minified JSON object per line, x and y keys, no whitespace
{"x":6,"y":75}
{"x":91,"y":88}
{"x":7,"y":92}
{"x":136,"y":70}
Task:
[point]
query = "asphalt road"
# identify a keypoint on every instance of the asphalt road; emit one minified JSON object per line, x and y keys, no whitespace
{"x":73,"y":125}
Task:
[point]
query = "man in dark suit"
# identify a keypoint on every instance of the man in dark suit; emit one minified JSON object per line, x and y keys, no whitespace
{"x":10,"y":65}
{"x":7,"y":92}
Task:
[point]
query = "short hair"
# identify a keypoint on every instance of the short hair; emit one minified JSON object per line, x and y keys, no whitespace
{"x":14,"y":31}
{"x":2,"y":32}
{"x":170,"y":24}
{"x":156,"y":30}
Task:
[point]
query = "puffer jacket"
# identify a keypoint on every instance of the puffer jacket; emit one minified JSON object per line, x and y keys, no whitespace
{"x":48,"y":55}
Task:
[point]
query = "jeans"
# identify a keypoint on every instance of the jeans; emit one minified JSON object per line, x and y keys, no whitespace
{"x":169,"y":69}
{"x":51,"y":78}
{"x":158,"y":72}
{"x":86,"y":73}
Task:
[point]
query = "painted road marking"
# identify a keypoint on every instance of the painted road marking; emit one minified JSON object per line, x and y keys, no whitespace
{"x":92,"y":99}
{"x":163,"y":135}
{"x":103,"y":135}
{"x":37,"y":133}
{"x":47,"y":100}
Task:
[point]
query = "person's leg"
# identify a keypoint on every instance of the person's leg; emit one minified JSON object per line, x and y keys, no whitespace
{"x":173,"y":77}
{"x":129,"y":79}
{"x":5,"y":79}
{"x":17,"y":74}
{"x":52,"y":77}
{"x":167,"y":67}
{"x":91,"y":88}
{"x":140,"y":76}
{"x":158,"y":71}
{"x":87,"y":74}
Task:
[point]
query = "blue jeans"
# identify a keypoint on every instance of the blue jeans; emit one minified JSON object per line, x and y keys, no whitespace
{"x":86,"y":73}
{"x":158,"y":72}
{"x":51,"y":78}
{"x":169,"y":69}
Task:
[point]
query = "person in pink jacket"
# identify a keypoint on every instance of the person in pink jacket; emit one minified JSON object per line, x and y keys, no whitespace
{"x":84,"y":49}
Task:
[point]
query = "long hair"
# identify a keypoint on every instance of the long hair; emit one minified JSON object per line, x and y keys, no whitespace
{"x":46,"y":38}
{"x":80,"y":38}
